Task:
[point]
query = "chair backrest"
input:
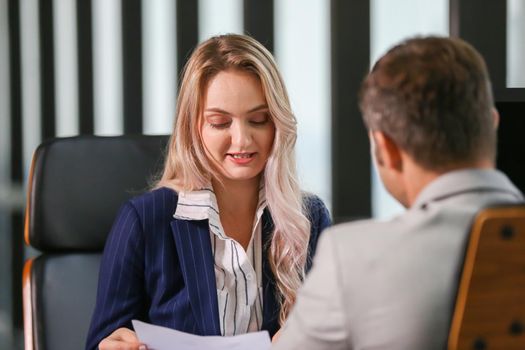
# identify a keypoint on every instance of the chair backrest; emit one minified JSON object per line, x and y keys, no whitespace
{"x":76,"y":186}
{"x":490,"y":305}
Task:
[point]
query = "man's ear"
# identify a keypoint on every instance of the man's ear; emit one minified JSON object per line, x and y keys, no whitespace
{"x":495,"y":117}
{"x":386,"y":151}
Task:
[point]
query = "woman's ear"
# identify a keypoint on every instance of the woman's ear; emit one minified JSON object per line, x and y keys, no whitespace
{"x":495,"y":117}
{"x":386,"y":151}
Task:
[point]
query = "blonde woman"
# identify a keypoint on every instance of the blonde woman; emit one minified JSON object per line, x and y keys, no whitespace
{"x":222,"y":244}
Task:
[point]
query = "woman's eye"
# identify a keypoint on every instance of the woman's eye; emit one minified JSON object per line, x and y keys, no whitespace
{"x":261,"y":119}
{"x":219,"y":123}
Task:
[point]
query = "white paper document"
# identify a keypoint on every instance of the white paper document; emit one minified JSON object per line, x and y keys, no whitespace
{"x":162,"y":338}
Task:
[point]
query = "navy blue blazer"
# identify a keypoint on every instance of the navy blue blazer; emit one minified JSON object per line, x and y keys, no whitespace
{"x":160,"y":270}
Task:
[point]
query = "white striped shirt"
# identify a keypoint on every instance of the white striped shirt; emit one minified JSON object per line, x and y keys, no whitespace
{"x":238,"y":273}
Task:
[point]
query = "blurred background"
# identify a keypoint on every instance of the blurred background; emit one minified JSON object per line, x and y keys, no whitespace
{"x":110,"y":67}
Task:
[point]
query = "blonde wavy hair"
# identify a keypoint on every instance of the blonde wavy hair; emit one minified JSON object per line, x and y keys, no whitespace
{"x":187,"y":167}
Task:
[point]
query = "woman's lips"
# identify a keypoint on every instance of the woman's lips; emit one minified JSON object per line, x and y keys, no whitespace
{"x":241,"y":158}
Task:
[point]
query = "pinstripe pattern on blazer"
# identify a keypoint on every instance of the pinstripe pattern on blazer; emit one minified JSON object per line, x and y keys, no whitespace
{"x":160,"y":270}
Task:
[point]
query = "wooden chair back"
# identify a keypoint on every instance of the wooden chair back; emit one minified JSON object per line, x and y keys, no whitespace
{"x":490,"y":305}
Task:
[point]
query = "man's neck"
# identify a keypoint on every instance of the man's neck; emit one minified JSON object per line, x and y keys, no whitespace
{"x":416,"y":178}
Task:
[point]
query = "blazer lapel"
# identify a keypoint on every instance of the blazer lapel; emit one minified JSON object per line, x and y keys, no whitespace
{"x":270,"y":306}
{"x":192,"y":238}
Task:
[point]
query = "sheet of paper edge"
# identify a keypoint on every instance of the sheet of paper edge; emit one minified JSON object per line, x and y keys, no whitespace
{"x":163,"y":338}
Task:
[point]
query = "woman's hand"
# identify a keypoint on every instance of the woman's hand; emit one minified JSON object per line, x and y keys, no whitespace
{"x":122,"y":339}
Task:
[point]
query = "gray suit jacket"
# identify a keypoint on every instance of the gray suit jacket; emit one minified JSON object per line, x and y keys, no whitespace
{"x":392,"y":284}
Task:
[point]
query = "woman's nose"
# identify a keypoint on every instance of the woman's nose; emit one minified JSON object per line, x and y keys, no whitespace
{"x":241,"y":135}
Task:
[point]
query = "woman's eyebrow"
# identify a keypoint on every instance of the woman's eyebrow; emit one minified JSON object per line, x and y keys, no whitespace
{"x":217,"y":110}
{"x":258,"y":108}
{"x":222,"y":111}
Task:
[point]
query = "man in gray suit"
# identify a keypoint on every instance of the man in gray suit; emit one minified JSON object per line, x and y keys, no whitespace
{"x":428,"y":107}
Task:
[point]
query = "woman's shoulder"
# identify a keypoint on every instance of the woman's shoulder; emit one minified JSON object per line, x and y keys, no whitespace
{"x":312,"y":201}
{"x":316,"y":211}
{"x":162,"y":199}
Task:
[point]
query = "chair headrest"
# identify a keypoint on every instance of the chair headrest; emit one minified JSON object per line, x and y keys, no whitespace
{"x":77,"y":184}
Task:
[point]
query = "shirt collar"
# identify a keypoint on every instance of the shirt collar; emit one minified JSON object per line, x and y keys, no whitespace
{"x":466,"y":180}
{"x":197,"y":205}
{"x":202,"y":204}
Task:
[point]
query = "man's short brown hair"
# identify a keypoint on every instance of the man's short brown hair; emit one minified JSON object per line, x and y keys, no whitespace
{"x":432,"y":97}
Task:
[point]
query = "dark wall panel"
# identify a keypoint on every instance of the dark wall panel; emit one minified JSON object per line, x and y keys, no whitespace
{"x":132,"y":65}
{"x":351,"y":177}
{"x":511,"y":143}
{"x":484,"y":25}
{"x":259,"y":21}
{"x":187,"y":30}
{"x":17,"y":246}
{"x":15,"y":90}
{"x":511,"y":158}
{"x":85,"y":65}
{"x":47,"y":69}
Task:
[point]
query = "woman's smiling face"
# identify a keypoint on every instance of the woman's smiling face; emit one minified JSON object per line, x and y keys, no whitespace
{"x":236,"y":128}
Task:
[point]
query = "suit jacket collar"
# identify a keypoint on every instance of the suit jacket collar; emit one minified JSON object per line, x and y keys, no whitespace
{"x":270,"y":305}
{"x":192,"y":238}
{"x":464,"y":181}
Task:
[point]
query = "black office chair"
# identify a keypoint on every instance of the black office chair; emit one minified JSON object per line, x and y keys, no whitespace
{"x":490,"y":306}
{"x":76,"y":186}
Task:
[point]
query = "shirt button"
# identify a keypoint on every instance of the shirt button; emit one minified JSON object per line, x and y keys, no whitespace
{"x":249,"y":277}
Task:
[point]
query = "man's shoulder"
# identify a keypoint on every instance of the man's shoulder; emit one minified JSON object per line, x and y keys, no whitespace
{"x":366,"y":241}
{"x":367,"y":229}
